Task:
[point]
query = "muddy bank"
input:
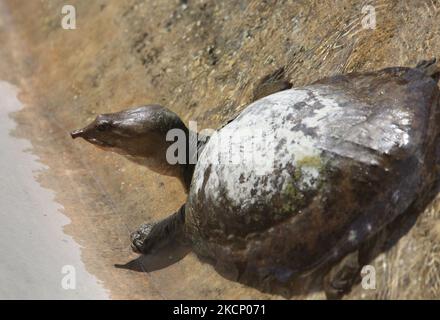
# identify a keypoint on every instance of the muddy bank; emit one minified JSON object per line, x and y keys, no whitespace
{"x":203,"y":60}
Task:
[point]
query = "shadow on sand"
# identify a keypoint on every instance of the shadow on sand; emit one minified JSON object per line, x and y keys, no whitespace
{"x":166,"y":256}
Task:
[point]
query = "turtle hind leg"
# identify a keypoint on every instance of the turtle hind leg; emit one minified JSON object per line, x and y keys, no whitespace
{"x":430,"y":68}
{"x":152,"y":236}
{"x":342,"y":276}
{"x":347,"y":272}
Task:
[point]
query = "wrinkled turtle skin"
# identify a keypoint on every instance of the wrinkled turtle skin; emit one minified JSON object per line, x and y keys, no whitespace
{"x":352,"y":153}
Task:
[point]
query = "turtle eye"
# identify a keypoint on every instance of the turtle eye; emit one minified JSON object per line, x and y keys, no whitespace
{"x":103,"y":126}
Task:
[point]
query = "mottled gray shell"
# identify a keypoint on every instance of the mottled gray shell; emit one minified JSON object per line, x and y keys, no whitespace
{"x":348,"y":154}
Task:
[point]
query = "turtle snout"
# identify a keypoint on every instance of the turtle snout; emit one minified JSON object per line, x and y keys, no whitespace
{"x":77,"y":133}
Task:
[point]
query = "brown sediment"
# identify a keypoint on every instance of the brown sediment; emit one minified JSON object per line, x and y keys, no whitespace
{"x":203,"y":60}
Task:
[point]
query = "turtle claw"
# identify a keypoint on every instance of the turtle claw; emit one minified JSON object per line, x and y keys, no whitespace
{"x":140,"y":238}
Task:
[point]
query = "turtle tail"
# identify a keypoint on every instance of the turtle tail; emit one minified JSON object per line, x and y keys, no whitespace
{"x":430,"y":68}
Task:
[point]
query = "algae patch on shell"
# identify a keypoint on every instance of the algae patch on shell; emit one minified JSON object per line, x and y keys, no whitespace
{"x":307,"y":178}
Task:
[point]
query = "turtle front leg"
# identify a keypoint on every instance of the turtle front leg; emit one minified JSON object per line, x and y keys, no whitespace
{"x":152,"y":236}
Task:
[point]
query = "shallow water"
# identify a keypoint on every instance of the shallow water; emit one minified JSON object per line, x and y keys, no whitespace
{"x":33,"y":247}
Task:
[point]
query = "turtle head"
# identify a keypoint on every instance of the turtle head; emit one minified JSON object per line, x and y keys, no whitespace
{"x":137,"y":133}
